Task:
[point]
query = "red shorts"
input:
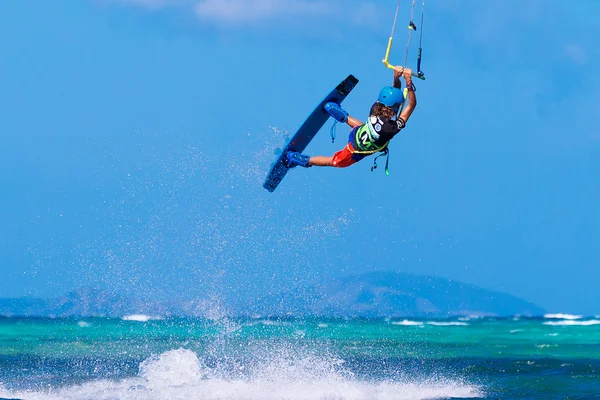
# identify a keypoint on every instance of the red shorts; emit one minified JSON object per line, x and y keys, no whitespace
{"x":345,"y":157}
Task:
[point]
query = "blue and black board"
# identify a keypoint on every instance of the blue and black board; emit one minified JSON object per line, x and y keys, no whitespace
{"x":307,"y":131}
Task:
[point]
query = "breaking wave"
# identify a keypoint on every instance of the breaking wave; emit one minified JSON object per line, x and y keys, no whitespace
{"x":180,"y":374}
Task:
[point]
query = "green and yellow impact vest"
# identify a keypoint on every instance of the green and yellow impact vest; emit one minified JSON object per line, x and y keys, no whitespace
{"x":364,"y":140}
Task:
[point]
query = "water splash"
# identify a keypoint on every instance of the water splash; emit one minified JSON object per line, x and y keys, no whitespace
{"x":284,"y":374}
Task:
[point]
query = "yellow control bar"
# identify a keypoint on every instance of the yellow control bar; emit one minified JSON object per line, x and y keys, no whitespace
{"x":390,"y":66}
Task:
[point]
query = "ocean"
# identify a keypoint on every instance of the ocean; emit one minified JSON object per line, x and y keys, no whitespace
{"x":141,"y":357}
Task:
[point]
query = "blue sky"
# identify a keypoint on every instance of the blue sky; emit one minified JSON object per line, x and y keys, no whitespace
{"x":135,"y":137}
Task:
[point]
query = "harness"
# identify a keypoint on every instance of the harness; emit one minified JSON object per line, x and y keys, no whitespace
{"x":365,"y":139}
{"x":366,"y":136}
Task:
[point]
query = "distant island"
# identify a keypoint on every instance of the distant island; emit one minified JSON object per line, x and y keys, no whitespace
{"x":369,"y":295}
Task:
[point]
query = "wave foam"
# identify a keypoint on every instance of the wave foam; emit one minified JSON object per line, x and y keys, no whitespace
{"x":434,"y":323}
{"x":573,"y":323}
{"x":562,"y":316}
{"x":140,"y":318}
{"x":179,"y":374}
{"x":407,"y":322}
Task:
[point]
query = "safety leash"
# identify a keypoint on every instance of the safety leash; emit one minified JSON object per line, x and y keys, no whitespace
{"x":386,"y":153}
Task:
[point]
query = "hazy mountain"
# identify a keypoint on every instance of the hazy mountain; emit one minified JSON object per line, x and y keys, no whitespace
{"x":390,"y":294}
{"x":371,"y":295}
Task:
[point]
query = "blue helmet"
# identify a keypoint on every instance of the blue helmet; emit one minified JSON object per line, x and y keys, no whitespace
{"x":391,"y":97}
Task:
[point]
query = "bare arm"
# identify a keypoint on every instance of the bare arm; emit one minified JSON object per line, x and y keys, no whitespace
{"x":412,"y":99}
{"x":353,"y":122}
{"x":397,"y":74}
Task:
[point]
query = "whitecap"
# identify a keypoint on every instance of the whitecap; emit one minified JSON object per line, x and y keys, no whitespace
{"x":562,"y":316}
{"x":434,"y":323}
{"x":543,"y":346}
{"x":407,"y":323}
{"x":140,"y":318}
{"x":573,"y":323}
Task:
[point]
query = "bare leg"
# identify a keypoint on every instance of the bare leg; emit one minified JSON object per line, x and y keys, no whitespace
{"x":321,"y":161}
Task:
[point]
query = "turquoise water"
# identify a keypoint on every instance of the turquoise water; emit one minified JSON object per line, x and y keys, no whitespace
{"x":95,"y":358}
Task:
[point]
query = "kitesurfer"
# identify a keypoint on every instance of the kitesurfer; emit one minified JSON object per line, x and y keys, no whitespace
{"x":370,"y":137}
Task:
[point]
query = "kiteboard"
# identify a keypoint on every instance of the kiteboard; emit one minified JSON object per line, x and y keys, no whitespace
{"x":307,"y":131}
